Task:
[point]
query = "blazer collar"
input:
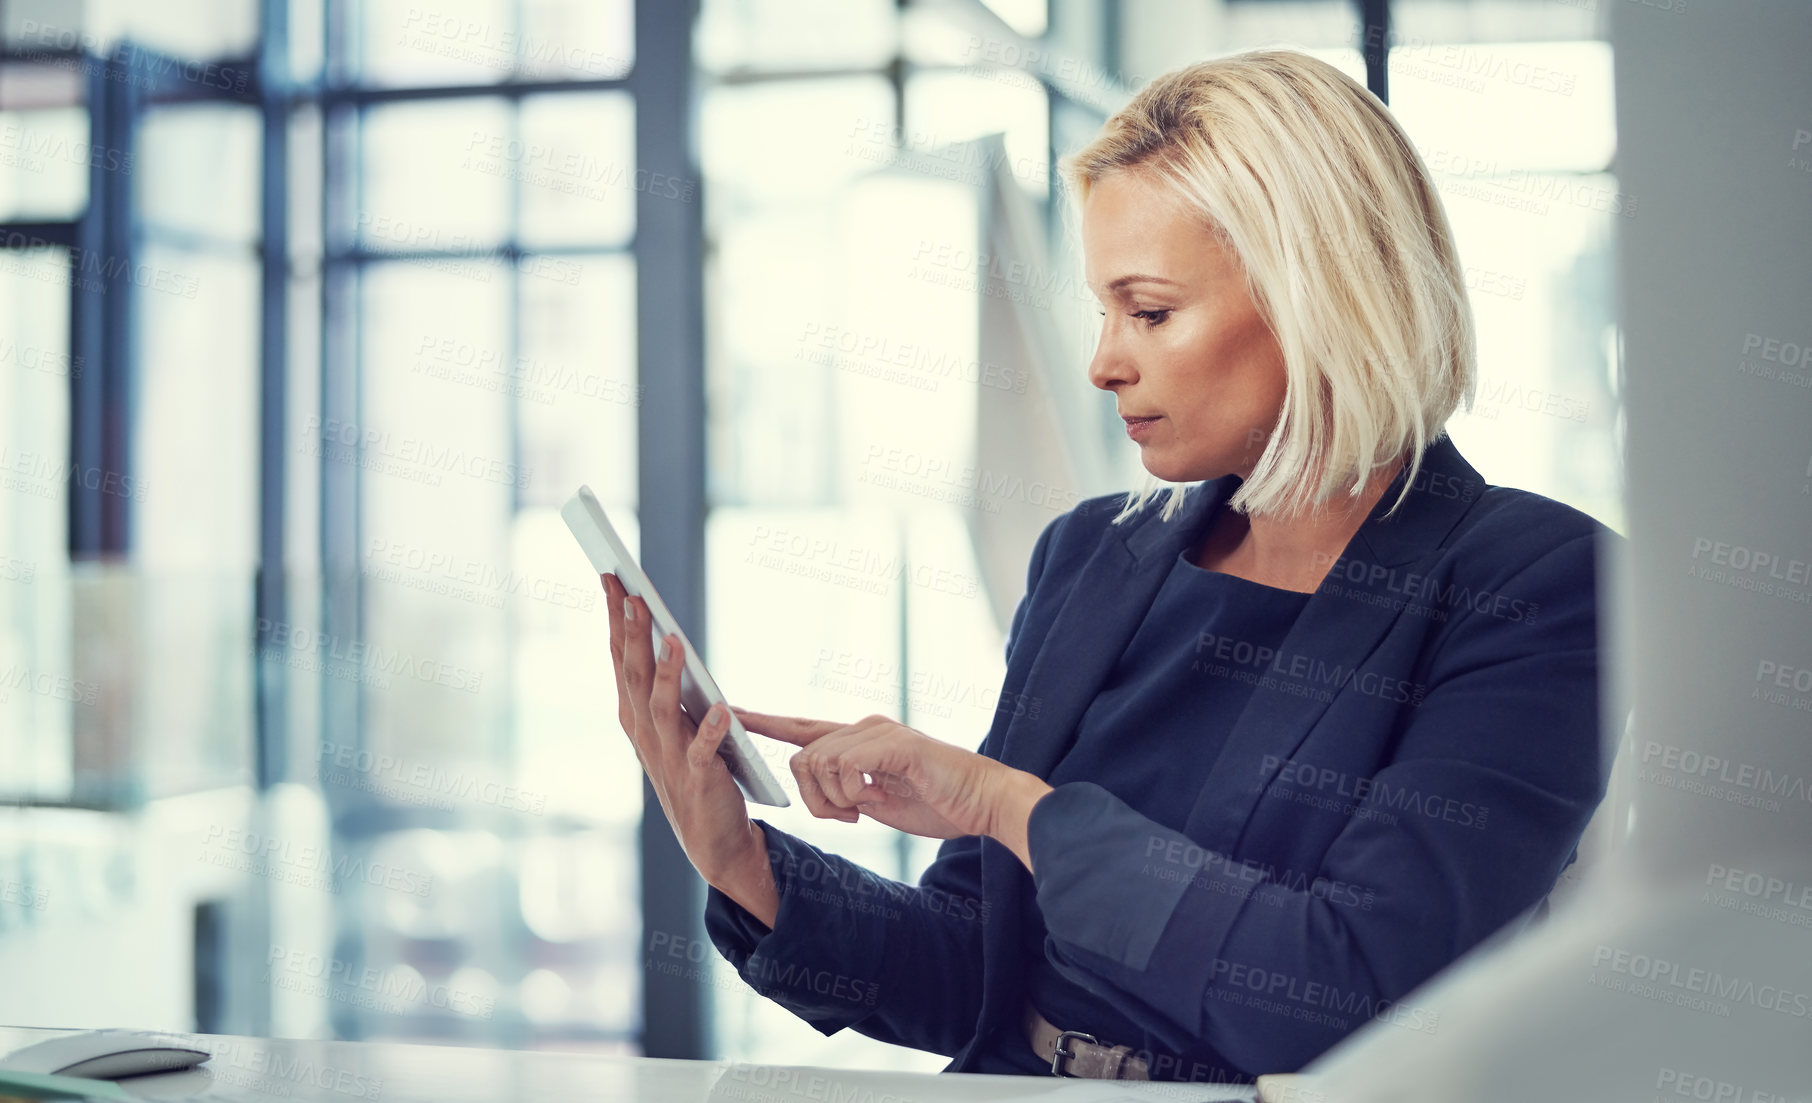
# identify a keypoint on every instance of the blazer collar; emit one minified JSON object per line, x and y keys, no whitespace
{"x":1444,"y":487}
{"x":1117,"y":584}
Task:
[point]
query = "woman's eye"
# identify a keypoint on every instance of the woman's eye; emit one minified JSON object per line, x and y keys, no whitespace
{"x":1149,"y":317}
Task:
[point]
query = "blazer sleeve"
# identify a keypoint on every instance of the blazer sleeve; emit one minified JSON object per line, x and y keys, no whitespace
{"x":1467,"y":826}
{"x":900,"y":963}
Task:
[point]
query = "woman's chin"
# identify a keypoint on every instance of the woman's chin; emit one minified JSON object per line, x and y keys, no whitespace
{"x":1172,"y":470}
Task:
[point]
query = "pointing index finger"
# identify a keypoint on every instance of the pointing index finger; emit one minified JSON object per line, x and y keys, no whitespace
{"x":796,"y":730}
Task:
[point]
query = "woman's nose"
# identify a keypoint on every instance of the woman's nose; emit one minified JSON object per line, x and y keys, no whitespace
{"x":1109,"y":365}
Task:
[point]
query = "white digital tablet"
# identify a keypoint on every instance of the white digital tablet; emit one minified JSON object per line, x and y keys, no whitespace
{"x":698,"y":692}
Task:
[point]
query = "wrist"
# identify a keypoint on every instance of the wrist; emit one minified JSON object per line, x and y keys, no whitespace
{"x":1010,"y":811}
{"x":746,"y":867}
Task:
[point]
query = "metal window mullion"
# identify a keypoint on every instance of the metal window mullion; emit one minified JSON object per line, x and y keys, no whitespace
{"x":670,"y":472}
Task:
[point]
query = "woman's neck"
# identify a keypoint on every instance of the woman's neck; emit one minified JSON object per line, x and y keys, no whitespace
{"x":1290,"y":554}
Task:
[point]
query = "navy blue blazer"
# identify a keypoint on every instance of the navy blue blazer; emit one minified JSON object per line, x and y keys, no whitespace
{"x":1418,"y":780}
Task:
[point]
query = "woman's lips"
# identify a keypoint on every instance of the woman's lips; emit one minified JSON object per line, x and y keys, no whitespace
{"x":1137,"y":427}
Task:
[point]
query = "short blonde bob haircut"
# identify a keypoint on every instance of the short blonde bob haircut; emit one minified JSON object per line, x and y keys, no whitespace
{"x":1347,"y":253}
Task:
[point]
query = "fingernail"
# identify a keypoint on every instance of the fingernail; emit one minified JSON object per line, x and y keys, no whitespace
{"x":714,"y":714}
{"x":666,"y":649}
{"x":628,"y":607}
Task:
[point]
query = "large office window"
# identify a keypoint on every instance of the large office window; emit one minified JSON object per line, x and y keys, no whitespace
{"x":312,"y":313}
{"x":478,"y":335}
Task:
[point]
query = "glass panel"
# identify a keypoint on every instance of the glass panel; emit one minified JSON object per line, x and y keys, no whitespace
{"x":574,"y":167}
{"x":195,"y":527}
{"x":947,"y":108}
{"x":483,"y":41}
{"x":183,"y":28}
{"x":575,"y":381}
{"x":1028,"y":17}
{"x":307,"y":40}
{"x":420,"y":191}
{"x":787,"y":143}
{"x":577,"y":39}
{"x":775,"y":295}
{"x":35,"y":649}
{"x":781,"y":34}
{"x":438,"y":478}
{"x":197,"y":170}
{"x":44,"y":163}
{"x":447,"y":42}
{"x":1310,"y":25}
{"x":1491,"y":109}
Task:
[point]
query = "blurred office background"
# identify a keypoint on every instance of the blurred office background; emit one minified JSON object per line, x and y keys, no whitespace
{"x":313,"y":312}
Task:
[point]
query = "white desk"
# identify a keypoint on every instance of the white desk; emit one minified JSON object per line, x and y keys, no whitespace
{"x":260,"y":1069}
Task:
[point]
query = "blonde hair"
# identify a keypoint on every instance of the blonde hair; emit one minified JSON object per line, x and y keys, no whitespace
{"x":1347,"y":253}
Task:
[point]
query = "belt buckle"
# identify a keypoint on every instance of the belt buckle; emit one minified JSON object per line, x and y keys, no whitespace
{"x":1061,"y":1053}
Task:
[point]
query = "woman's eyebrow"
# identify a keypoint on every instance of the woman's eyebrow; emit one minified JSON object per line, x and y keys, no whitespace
{"x":1136,"y":278}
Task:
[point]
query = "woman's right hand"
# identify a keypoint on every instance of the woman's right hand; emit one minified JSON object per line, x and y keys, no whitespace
{"x":680,"y":757}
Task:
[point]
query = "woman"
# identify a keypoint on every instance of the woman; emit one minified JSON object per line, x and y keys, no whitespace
{"x":1265,"y":761}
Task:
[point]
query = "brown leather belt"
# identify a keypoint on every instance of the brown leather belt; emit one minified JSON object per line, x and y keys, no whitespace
{"x":1073,"y":1053}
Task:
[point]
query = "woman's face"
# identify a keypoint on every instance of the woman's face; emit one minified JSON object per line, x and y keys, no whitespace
{"x":1182,"y":341}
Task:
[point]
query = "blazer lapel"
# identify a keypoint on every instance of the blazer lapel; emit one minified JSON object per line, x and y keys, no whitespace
{"x":1338,"y":629}
{"x":1104,"y":609}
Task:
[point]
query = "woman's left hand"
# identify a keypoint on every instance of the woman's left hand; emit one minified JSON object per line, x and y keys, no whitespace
{"x":900,"y":776}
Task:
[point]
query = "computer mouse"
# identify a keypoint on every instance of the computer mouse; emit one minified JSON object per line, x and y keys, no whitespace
{"x":106,"y":1054}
